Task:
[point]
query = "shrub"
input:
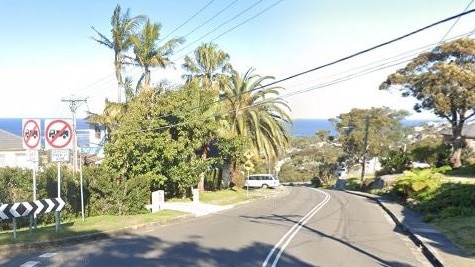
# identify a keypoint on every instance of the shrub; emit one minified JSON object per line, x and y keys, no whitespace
{"x":417,"y":184}
{"x":450,"y":200}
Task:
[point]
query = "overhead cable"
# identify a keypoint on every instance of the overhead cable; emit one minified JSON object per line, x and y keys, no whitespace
{"x":188,"y":20}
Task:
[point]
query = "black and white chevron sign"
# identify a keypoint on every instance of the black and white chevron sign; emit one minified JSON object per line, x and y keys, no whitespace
{"x":23,"y":209}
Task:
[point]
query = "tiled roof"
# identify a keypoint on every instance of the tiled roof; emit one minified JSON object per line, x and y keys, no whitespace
{"x":9,"y":141}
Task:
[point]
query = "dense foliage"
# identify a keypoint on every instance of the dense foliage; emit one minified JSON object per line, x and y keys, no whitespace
{"x":442,"y":81}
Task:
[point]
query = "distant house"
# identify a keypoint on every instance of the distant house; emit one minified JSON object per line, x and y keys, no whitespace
{"x":91,"y":141}
{"x":468,"y":135}
{"x":12,"y":153}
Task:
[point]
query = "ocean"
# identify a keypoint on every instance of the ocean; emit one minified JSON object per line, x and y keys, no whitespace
{"x":309,"y":127}
{"x":300,"y":128}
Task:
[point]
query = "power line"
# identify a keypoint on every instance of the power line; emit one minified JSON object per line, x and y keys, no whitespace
{"x":211,"y":18}
{"x":368,"y":49}
{"x":382,"y":64}
{"x":455,"y":22}
{"x":251,"y":18}
{"x":221,"y":25}
{"x":355,"y":54}
{"x":341,"y":60}
{"x":189,"y":19}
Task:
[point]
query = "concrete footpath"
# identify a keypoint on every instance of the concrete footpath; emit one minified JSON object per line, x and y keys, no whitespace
{"x":440,"y":250}
{"x":195,"y":208}
{"x":435,"y":246}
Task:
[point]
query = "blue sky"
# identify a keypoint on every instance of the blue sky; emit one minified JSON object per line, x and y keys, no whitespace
{"x":46,"y":53}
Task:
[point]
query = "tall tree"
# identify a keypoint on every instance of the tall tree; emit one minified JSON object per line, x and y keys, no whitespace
{"x":443,"y":82}
{"x":258,"y":113}
{"x":207,"y":69}
{"x":159,"y":140}
{"x":209,"y":66}
{"x":377,"y":128}
{"x":123,"y":26}
{"x":147,"y":52}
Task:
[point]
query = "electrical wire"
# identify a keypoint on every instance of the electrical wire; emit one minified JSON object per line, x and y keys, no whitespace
{"x":348,"y":57}
{"x":354,"y":55}
{"x":211,"y":18}
{"x":221,"y":25}
{"x":455,"y":22}
{"x":232,"y":28}
{"x":368,"y":49}
{"x":189,"y":19}
{"x":249,"y":19}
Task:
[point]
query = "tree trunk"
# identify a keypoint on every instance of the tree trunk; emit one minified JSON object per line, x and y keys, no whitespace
{"x":455,"y":159}
{"x":201,"y":183}
{"x":457,"y":145}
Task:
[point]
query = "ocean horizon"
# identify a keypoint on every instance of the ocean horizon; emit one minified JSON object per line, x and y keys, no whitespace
{"x":309,"y":127}
{"x":300,"y":127}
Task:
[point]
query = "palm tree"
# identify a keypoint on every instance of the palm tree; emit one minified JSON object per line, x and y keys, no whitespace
{"x":256,"y":112}
{"x":111,"y":117}
{"x":123,"y":26}
{"x":207,"y":70}
{"x":209,"y":66}
{"x":148,"y":54}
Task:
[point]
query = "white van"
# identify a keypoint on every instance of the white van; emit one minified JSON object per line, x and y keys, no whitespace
{"x":262,"y":180}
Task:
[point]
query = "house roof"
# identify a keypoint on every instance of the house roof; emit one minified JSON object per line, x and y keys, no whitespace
{"x":9,"y":141}
{"x":468,"y":131}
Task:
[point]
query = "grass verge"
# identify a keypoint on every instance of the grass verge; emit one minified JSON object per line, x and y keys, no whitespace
{"x":105,"y":223}
{"x":90,"y":225}
{"x":461,"y":230}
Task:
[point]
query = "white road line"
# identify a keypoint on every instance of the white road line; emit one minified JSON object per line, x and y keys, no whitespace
{"x":47,"y":255}
{"x":29,"y":264}
{"x":293,"y":231}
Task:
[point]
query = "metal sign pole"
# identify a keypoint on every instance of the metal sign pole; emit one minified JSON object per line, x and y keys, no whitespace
{"x":82,"y":190}
{"x":14,"y":228}
{"x":57,"y":215}
{"x":34,"y":194}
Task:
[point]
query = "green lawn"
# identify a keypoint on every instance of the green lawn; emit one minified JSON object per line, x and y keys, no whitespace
{"x":461,"y":230}
{"x":106,"y":223}
{"x":89,"y":226}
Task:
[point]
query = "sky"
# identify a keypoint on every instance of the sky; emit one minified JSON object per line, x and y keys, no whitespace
{"x":47,"y":55}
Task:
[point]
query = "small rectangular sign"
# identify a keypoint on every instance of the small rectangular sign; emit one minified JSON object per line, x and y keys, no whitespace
{"x":60,"y":155}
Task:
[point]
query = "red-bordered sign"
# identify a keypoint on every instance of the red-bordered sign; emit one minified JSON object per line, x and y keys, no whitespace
{"x":31,"y":134}
{"x":58,"y":134}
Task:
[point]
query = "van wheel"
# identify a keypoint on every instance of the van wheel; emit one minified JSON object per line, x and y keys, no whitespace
{"x":265,"y":186}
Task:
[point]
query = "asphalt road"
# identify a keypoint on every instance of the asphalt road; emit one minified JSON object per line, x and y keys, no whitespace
{"x":307,"y":227}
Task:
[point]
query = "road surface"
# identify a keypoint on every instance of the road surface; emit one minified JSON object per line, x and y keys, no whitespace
{"x":307,"y":227}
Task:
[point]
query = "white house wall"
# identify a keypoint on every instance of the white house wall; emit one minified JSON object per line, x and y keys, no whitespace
{"x":16,"y":159}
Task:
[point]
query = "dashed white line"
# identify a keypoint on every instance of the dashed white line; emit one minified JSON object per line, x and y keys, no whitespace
{"x":34,"y":263}
{"x":29,"y":264}
{"x":47,"y":255}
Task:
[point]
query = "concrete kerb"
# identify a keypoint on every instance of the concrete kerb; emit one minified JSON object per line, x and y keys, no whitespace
{"x":431,"y":252}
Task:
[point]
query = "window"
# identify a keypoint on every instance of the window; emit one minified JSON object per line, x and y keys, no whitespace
{"x":97,"y":131}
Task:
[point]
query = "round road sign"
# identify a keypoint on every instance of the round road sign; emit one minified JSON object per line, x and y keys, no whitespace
{"x":31,"y":134}
{"x":58,"y":134}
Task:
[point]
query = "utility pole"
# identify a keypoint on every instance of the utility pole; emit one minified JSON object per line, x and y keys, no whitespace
{"x":74,"y":103}
{"x":365,"y":146}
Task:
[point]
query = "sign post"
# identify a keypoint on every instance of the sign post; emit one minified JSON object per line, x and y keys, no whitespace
{"x":31,"y":133}
{"x":58,"y":136}
{"x":248,"y":166}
